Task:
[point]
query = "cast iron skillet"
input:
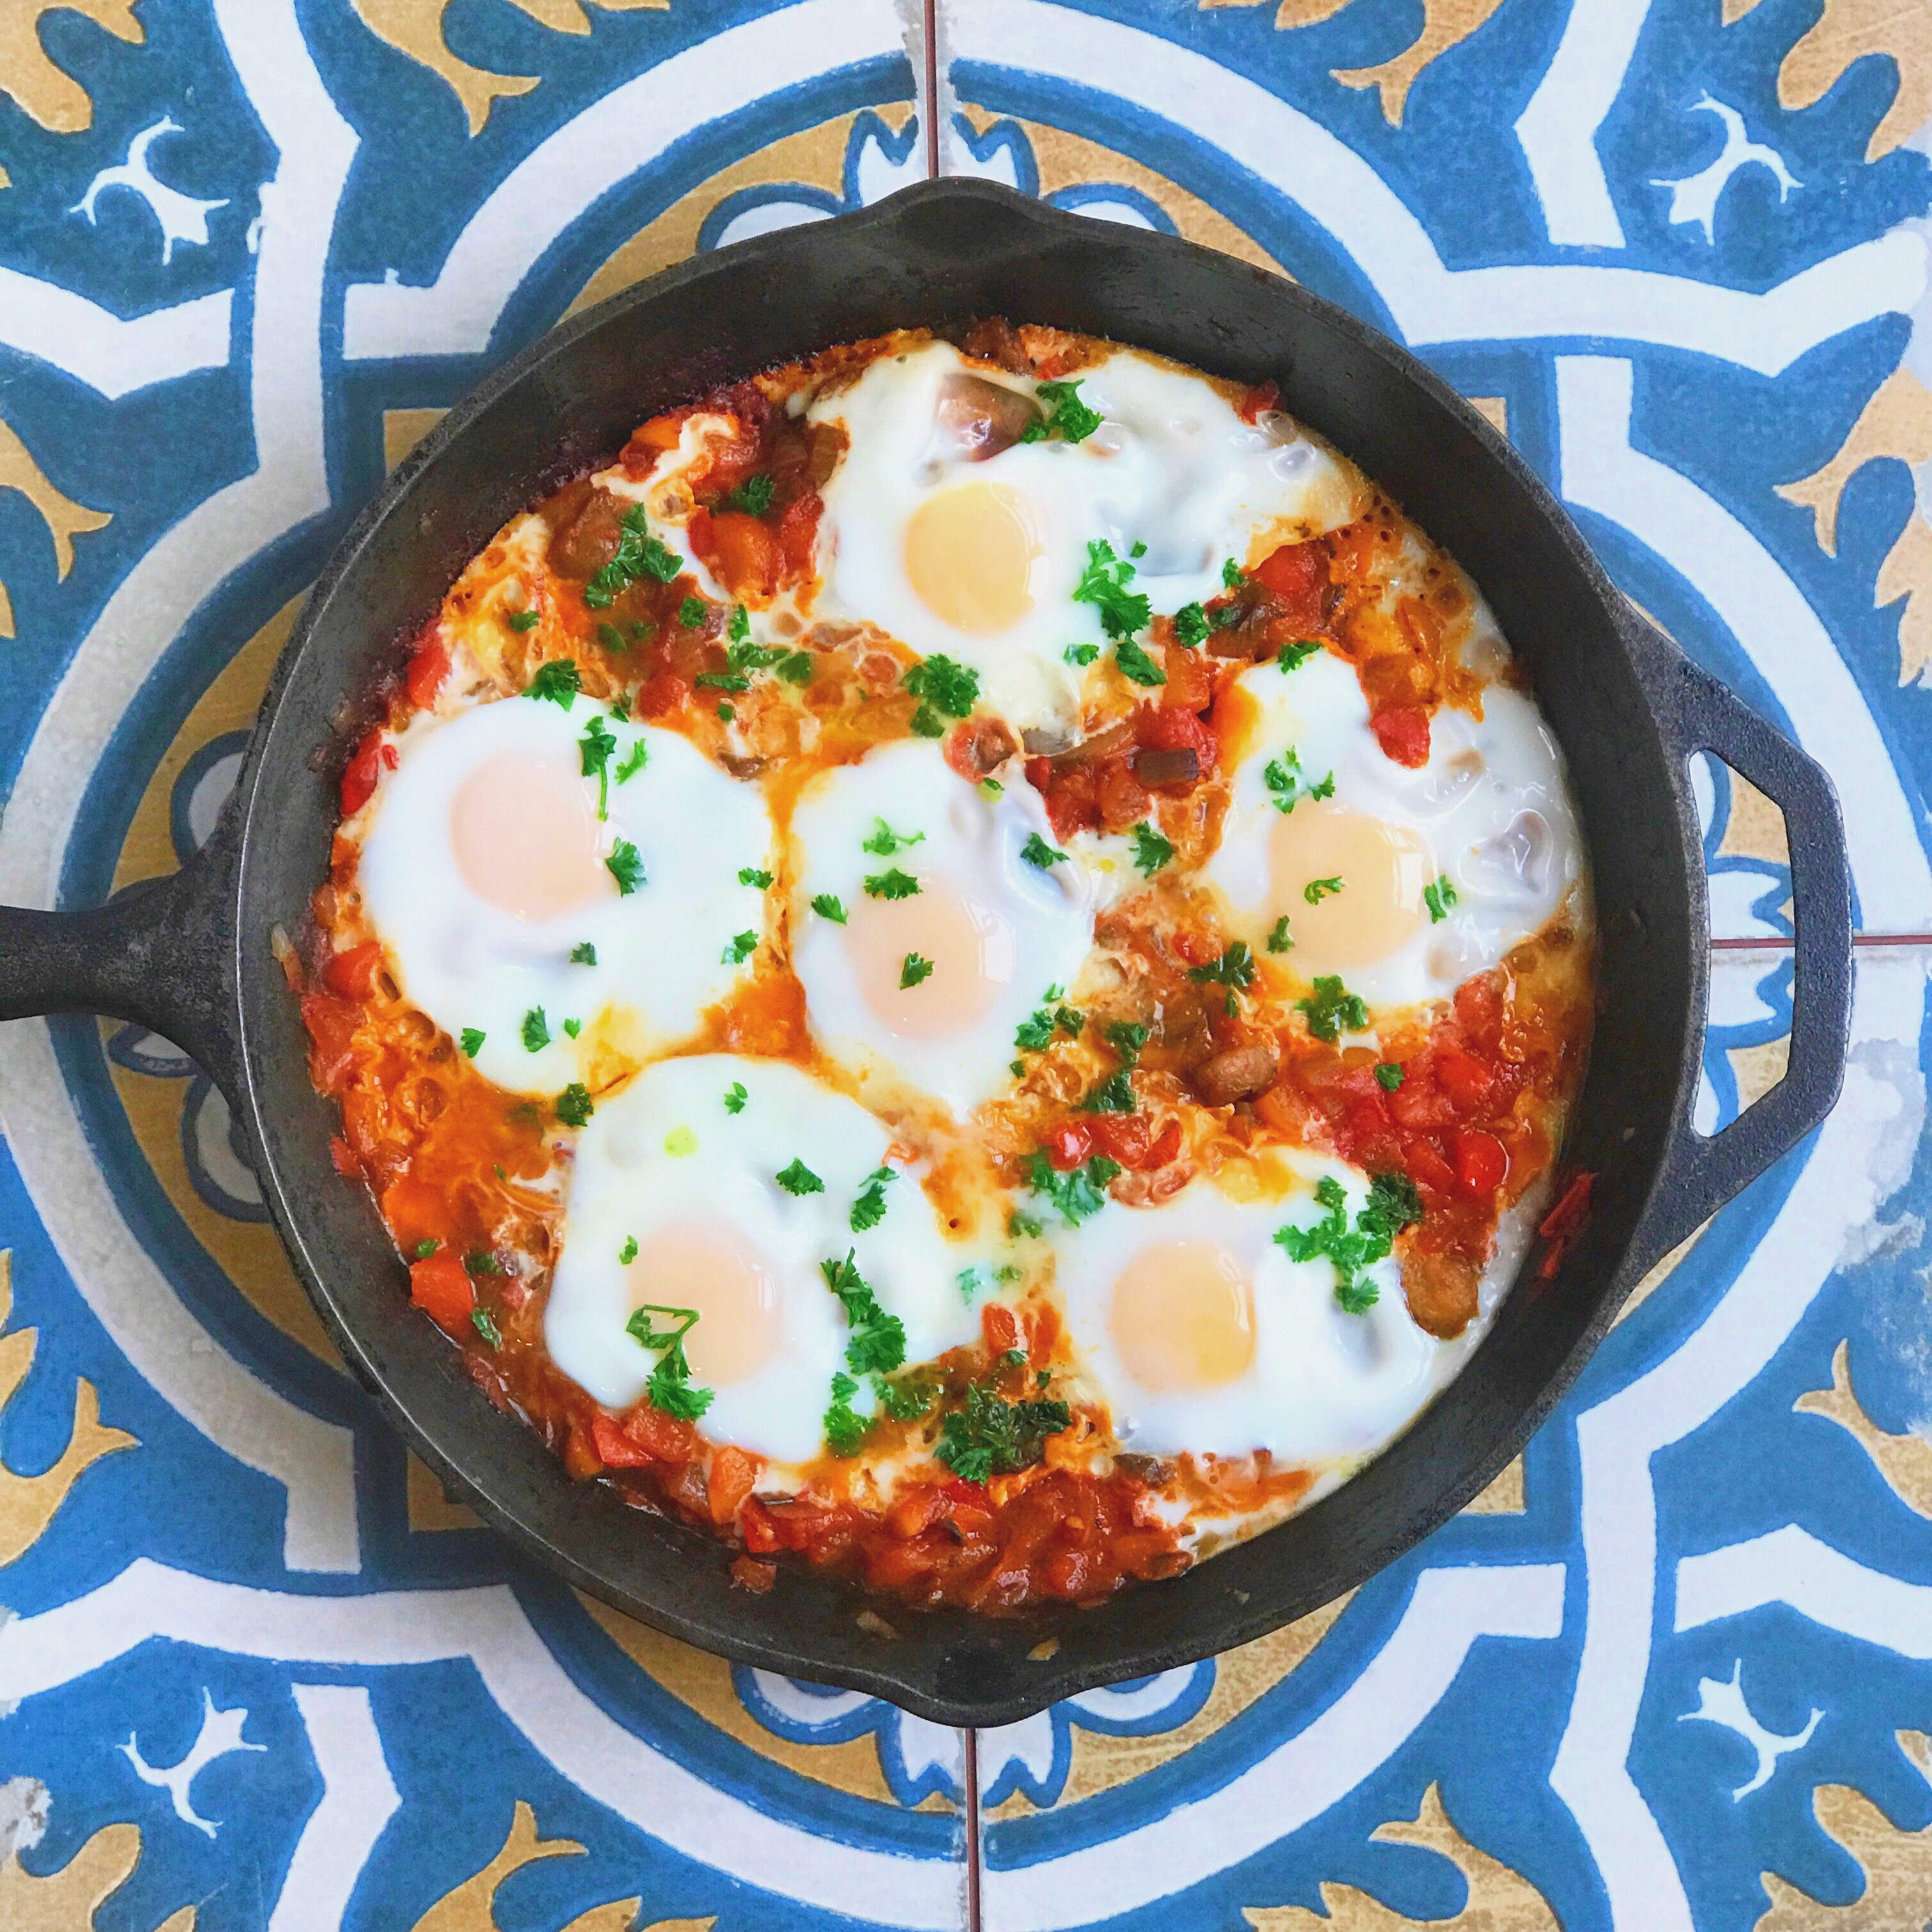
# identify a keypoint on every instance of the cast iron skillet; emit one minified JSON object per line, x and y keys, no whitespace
{"x":190,"y":955}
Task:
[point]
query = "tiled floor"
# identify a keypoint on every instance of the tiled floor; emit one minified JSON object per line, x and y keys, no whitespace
{"x":267,"y":1675}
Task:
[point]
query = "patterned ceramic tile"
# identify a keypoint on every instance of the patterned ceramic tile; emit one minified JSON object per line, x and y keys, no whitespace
{"x":258,"y":1671}
{"x":1681,"y":261}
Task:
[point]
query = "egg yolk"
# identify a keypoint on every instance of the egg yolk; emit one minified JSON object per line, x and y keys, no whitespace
{"x":1382,"y":869}
{"x":525,"y":838}
{"x":739,"y":1328}
{"x":970,"y":555}
{"x":970,"y":946}
{"x":1184,"y":1318}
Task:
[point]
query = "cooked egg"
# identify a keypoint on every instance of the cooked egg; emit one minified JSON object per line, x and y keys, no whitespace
{"x":1403,"y":882}
{"x":511,"y":910}
{"x":719,"y":1187}
{"x":944,"y":529}
{"x":922,"y":932}
{"x":1200,"y":1335}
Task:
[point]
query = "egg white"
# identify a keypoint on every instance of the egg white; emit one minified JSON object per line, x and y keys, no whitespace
{"x":667,"y":1151}
{"x":468,"y":963}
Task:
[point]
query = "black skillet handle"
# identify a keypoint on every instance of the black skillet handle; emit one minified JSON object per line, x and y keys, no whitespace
{"x":1701,"y":714}
{"x":160,"y":954}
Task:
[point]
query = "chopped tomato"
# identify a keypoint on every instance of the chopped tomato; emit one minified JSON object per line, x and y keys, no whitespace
{"x":1427,"y":1168}
{"x":1001,"y":1326}
{"x":650,"y":441}
{"x":331,"y":1032}
{"x":1297,"y":574}
{"x":344,"y":1157}
{"x":732,"y":1473}
{"x":1122,"y":1137}
{"x":661,"y":1436}
{"x":1463,"y":1078}
{"x":614,"y":1446}
{"x":744,"y":554}
{"x":1403,"y":734}
{"x":352,"y":973}
{"x":365,"y":766}
{"x":754,"y":1576}
{"x":1069,"y":1144}
{"x":978,"y":747}
{"x":1158,"y":729}
{"x":754,"y":1525}
{"x":442,"y":1289}
{"x":798,"y":532}
{"x":428,"y":669}
{"x":1481,"y":1164}
{"x":1259,"y":401}
{"x":1166,"y":1147}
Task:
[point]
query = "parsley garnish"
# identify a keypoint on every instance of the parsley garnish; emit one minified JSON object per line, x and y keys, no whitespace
{"x":869,"y":1210}
{"x":992,"y":1437}
{"x":726,"y":712}
{"x":1295,"y":655}
{"x":754,"y":875}
{"x":633,"y":762}
{"x":558,"y":680}
{"x":1135,"y":663}
{"x":891,"y":884}
{"x":1080,"y":654}
{"x":573,"y":1105}
{"x":1103,"y":583}
{"x":735,"y":1097}
{"x":885,"y":842}
{"x":627,"y":1253}
{"x":1126,"y":1037}
{"x":829,"y":905}
{"x":742,"y":946}
{"x":1316,"y":890}
{"x":800,"y":1179}
{"x":481,"y":1262}
{"x":596,"y":746}
{"x":626,"y":866}
{"x":1333,"y":1009}
{"x":1028,"y":1225}
{"x":1439,"y":897}
{"x":637,"y":554}
{"x":484,"y":1323}
{"x":472,"y":1041}
{"x":573,"y":1027}
{"x":425,"y":1248}
{"x":1079,"y":1194}
{"x":1392,"y":1205}
{"x":753,"y":496}
{"x":584,"y":954}
{"x":691,"y":614}
{"x":1065,"y":415}
{"x":927,"y":723}
{"x":1278,"y":941}
{"x":1037,"y":852}
{"x":878,"y":1340}
{"x":947,"y":689}
{"x":524,"y":620}
{"x":722,"y":680}
{"x":1190,"y":626}
{"x":1232,"y":575}
{"x":1389,"y":1074}
{"x":844,"y":1427}
{"x":912,"y":969}
{"x":795,"y":667}
{"x":1235,"y":968}
{"x":669,"y":1388}
{"x":1151,"y":851}
{"x":611,"y":638}
{"x":1036,"y":1033}
{"x":1285,"y":778}
{"x":1114,"y":1095}
{"x":905,"y":1402}
{"x":536,"y":1031}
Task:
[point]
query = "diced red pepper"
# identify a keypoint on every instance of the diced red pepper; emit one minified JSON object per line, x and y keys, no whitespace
{"x":352,"y":973}
{"x":1258,"y":401}
{"x":1403,"y":734}
{"x":1462,"y":1076}
{"x":1068,"y":1144}
{"x":1481,"y":1164}
{"x":428,"y":669}
{"x":1122,"y":1137}
{"x":732,"y":1473}
{"x":614,"y":1445}
{"x":660,"y":1435}
{"x":1001,"y":1326}
{"x":365,"y":766}
{"x":754,"y":1526}
{"x":440,"y":1287}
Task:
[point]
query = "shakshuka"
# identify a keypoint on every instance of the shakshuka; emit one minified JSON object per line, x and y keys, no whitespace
{"x":968,"y":963}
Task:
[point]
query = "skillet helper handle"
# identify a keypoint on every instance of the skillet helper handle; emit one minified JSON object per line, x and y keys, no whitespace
{"x":159,"y":953}
{"x":1701,"y":1173}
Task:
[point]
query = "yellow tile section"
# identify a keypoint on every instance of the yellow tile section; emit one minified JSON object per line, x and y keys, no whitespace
{"x":430,"y":1506}
{"x":66,"y":1901}
{"x":404,"y":429}
{"x":1904,"y":1461}
{"x":49,"y":93}
{"x":1504,"y":1496}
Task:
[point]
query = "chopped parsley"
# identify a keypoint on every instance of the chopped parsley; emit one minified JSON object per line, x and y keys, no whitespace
{"x":484,"y":1323}
{"x":1028,"y":1225}
{"x":1392,"y":1205}
{"x":627,"y":1253}
{"x":1285,"y":778}
{"x":726,"y":712}
{"x":991,"y":788}
{"x":1294,"y":655}
{"x":584,"y":954}
{"x":1115,"y":1094}
{"x":800,"y":1179}
{"x":473,"y":1038}
{"x":1232,"y":575}
{"x":891,"y":884}
{"x":1235,"y":968}
{"x":611,"y":638}
{"x":524,"y":620}
{"x":1065,"y":415}
{"x":735,"y":1097}
{"x":1333,"y":1009}
{"x":1036,"y":1033}
{"x":692,"y":614}
{"x":669,"y":1388}
{"x":753,"y":496}
{"x":425,"y":1248}
{"x":1103,"y":584}
{"x":596,"y":746}
{"x":1037,"y":852}
{"x":481,"y":1262}
{"x":1439,"y":897}
{"x":904,"y":1402}
{"x":742,"y":946}
{"x":573,"y":1027}
{"x":914,"y":968}
{"x":573,"y":1105}
{"x":1126,"y":1037}
{"x":795,"y":667}
{"x":634,"y":760}
{"x":1316,"y":890}
{"x":1278,"y":939}
{"x":990,"y":1436}
{"x":1390,"y":1074}
{"x":638,"y":554}
{"x":536,"y":1031}
{"x":829,"y":905}
{"x":884,"y":841}
{"x":878,"y":1340}
{"x":1080,"y":654}
{"x":721,"y":680}
{"x":559,"y":680}
{"x":869,"y":1210}
{"x":946,"y":689}
{"x":1135,"y":664}
{"x":1080,"y":1194}
{"x":1190,"y":626}
{"x":754,"y":875}
{"x":844,"y":1427}
{"x":626,"y":867}
{"x":1151,"y":851}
